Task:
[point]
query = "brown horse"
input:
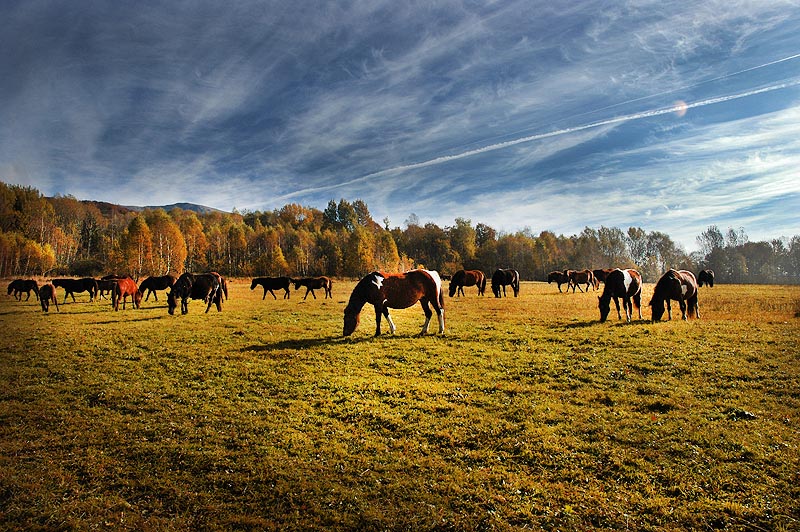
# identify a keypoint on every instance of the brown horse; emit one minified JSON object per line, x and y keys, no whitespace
{"x":395,"y":290}
{"x":17,"y":286}
{"x":47,"y":294}
{"x":151,"y":284}
{"x":314,"y":283}
{"x":502,"y":278}
{"x":678,"y":285}
{"x":706,"y":277}
{"x":464,"y":278}
{"x":579,"y":277}
{"x":272,"y":283}
{"x":559,"y":278}
{"x":600,"y":276}
{"x":122,"y":289}
{"x":625,"y":284}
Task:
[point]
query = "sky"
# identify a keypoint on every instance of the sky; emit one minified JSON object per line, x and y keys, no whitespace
{"x":523,"y":115}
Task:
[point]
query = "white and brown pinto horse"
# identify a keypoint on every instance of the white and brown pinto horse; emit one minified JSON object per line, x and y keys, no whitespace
{"x":678,"y":285}
{"x":396,"y":290}
{"x":625,"y":284}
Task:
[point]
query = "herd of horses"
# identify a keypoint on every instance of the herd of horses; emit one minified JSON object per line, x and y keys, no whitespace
{"x":385,"y":291}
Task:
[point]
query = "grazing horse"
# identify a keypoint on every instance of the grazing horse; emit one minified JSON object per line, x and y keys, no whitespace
{"x":706,"y":277}
{"x":47,"y":293}
{"x":151,"y":284}
{"x":205,"y":286}
{"x":464,"y":278}
{"x":313,"y":283}
{"x":21,"y":285}
{"x":559,"y":277}
{"x":579,"y":277}
{"x":272,"y":283}
{"x":70,"y":286}
{"x":395,"y":290}
{"x":680,"y":286}
{"x":600,"y":276}
{"x":223,"y":285}
{"x":122,"y":289}
{"x":503,"y":278}
{"x":625,"y":284}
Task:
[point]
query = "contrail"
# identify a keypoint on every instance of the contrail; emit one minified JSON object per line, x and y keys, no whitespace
{"x":679,"y":107}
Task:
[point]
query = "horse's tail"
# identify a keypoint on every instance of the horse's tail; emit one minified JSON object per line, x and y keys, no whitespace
{"x":482,"y":284}
{"x":116,"y":293}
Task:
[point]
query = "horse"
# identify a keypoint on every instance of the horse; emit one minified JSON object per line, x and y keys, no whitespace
{"x":223,"y":284}
{"x":47,"y":293}
{"x":579,"y":277}
{"x":502,"y":278}
{"x":272,"y":283}
{"x":396,"y":290}
{"x":464,"y":278}
{"x":124,"y":288}
{"x":625,"y":284}
{"x":203,"y":286}
{"x":678,"y":285}
{"x":559,"y":277}
{"x":313,"y":283}
{"x":600,"y":276}
{"x":151,"y":284}
{"x":706,"y":277}
{"x":17,"y":286}
{"x":70,"y":286}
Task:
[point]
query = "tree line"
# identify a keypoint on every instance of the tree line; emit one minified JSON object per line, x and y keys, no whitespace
{"x":61,"y":235}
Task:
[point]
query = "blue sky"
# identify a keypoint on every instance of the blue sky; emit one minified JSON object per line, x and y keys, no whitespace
{"x":670,"y":116}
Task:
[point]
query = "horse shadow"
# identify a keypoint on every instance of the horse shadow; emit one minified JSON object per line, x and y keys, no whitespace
{"x":292,"y":344}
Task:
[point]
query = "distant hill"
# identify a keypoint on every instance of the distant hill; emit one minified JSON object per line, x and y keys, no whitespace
{"x":108,"y":208}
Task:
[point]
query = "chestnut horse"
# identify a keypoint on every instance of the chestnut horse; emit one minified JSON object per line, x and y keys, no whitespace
{"x":600,"y":276}
{"x":122,"y":289}
{"x":503,"y":278}
{"x":464,"y":278}
{"x":625,"y":284}
{"x":579,"y":277}
{"x":395,"y":290}
{"x":70,"y":286}
{"x":272,"y":283}
{"x":559,"y":277}
{"x":47,"y":293}
{"x":204,"y":286}
{"x":706,"y":277}
{"x":151,"y":284}
{"x":678,"y":285}
{"x":313,"y":283}
{"x":20,"y":285}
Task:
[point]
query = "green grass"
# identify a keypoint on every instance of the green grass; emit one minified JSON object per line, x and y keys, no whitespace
{"x":528,"y":413}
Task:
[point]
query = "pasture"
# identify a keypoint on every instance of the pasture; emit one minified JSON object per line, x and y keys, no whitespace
{"x":529,"y":413}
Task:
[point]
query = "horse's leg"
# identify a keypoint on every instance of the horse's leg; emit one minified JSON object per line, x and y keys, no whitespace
{"x":637,"y":300}
{"x":682,"y":303}
{"x":287,"y":294}
{"x":378,"y":312}
{"x":669,"y":308}
{"x":626,"y":302}
{"x":428,"y":314}
{"x":440,"y":315}
{"x":616,"y":303}
{"x":392,"y":328}
{"x":696,"y":306}
{"x":273,"y":295}
{"x":155,"y":295}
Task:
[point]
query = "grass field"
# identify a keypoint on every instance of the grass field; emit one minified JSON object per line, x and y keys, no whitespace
{"x":527,"y":414}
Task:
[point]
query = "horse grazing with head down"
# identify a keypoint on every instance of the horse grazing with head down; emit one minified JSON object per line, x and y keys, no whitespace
{"x":151,"y":284}
{"x":464,"y":278}
{"x":395,"y":290}
{"x":272,"y":283}
{"x":47,"y":294}
{"x":706,"y":277}
{"x":314,"y":283}
{"x":625,"y":284}
{"x":204,"y":286}
{"x":559,"y":278}
{"x":502,"y":278}
{"x":579,"y":277}
{"x":17,"y":286}
{"x":678,"y":285}
{"x":122,"y":289}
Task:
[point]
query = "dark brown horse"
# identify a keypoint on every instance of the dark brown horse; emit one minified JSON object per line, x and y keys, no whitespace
{"x":600,"y":276}
{"x":122,"y":289}
{"x":223,"y":284}
{"x":559,"y":278}
{"x":625,"y":284}
{"x":680,"y":286}
{"x":17,"y":286}
{"x":204,"y":286}
{"x":464,"y":278}
{"x":579,"y":277}
{"x":151,"y":284}
{"x":706,"y":277}
{"x":47,"y":294}
{"x":395,"y":290}
{"x":272,"y":283}
{"x":502,"y":278}
{"x":314,"y":283}
{"x":70,"y":286}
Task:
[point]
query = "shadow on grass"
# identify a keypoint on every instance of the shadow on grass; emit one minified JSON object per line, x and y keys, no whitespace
{"x":327,"y":340}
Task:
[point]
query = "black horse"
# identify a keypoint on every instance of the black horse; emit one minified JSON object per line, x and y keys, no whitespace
{"x":706,"y":277}
{"x":503,"y":278}
{"x":272,"y":283}
{"x":203,"y":286}
{"x":151,"y":284}
{"x":70,"y":286}
{"x":17,"y":286}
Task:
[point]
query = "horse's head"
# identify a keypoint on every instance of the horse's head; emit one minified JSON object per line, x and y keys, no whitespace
{"x":350,"y":320}
{"x":137,"y":298}
{"x":453,"y":288}
{"x":253,"y":285}
{"x":605,"y":308}
{"x":657,"y":305}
